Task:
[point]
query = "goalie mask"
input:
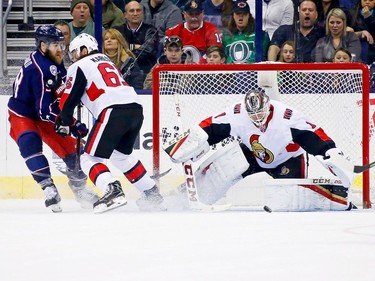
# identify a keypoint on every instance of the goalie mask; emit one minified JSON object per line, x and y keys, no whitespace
{"x":257,"y":106}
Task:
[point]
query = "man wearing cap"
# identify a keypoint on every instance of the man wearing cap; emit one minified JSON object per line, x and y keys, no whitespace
{"x":82,"y":13}
{"x":239,"y":39}
{"x":173,"y":54}
{"x":196,"y":34}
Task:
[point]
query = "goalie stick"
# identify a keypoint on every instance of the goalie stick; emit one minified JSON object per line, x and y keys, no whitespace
{"x":191,"y":184}
{"x":361,"y":169}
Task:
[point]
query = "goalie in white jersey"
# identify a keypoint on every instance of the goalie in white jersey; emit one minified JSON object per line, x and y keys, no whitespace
{"x":275,"y":139}
{"x":96,"y":82}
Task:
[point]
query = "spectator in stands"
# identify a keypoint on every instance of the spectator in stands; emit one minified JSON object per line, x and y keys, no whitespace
{"x":180,"y":4}
{"x":173,"y":54}
{"x":120,"y":4}
{"x":117,"y":49}
{"x":342,"y":55}
{"x":63,"y":26}
{"x":212,"y":10}
{"x":142,"y":37}
{"x":287,"y":53}
{"x":82,"y":13}
{"x":306,"y":37}
{"x":275,"y":13}
{"x":239,"y":42}
{"x":226,"y":14}
{"x":362,"y":20}
{"x":323,"y":7}
{"x":111,"y":14}
{"x":162,"y":14}
{"x":196,"y":34}
{"x":216,"y":55}
{"x":336,"y":37}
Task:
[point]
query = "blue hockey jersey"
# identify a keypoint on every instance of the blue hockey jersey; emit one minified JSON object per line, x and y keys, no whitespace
{"x":32,"y":97}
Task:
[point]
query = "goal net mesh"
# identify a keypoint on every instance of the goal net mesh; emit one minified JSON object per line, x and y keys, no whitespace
{"x":331,"y":98}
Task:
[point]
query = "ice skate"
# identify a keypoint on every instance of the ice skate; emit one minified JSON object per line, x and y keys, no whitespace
{"x":84,"y":196}
{"x":113,"y":198}
{"x":52,"y":197}
{"x":151,"y":200}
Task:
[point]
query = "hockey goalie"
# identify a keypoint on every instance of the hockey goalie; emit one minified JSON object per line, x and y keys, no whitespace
{"x":276,"y":139}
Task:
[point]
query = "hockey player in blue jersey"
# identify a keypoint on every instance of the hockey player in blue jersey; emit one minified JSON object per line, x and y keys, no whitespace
{"x":33,"y":109}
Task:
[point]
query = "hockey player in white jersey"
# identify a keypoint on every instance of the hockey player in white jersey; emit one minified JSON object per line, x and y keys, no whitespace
{"x":275,"y":139}
{"x":96,"y":82}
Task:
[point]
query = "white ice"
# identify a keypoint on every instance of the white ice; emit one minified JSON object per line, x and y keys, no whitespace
{"x":126,"y":244}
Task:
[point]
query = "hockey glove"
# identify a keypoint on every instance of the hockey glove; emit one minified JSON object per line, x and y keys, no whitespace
{"x":56,"y":85}
{"x":79,"y":130}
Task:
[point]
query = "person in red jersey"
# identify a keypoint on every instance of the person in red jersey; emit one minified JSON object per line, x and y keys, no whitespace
{"x":196,"y":34}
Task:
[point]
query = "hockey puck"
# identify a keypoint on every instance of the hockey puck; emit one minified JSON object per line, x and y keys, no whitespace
{"x":267,"y":209}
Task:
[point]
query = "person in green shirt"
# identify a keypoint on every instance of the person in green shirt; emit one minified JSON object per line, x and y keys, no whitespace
{"x":239,"y":38}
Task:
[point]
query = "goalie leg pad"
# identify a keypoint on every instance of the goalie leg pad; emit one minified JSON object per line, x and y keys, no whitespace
{"x":336,"y":163}
{"x":304,"y":195}
{"x":219,"y":172}
{"x":190,"y":145}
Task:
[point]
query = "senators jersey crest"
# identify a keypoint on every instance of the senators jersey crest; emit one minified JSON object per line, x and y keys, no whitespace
{"x":259,"y":151}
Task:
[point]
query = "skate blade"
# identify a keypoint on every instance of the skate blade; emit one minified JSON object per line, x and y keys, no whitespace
{"x":55,"y":208}
{"x":118,"y":202}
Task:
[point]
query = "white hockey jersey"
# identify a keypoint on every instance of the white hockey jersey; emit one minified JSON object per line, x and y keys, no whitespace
{"x":275,"y":142}
{"x":98,"y":83}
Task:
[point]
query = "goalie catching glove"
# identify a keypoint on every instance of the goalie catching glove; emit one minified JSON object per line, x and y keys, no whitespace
{"x":77,"y":129}
{"x":336,"y":163}
{"x":190,"y":145}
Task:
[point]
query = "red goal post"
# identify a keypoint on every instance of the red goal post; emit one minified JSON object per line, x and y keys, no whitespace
{"x":335,"y":96}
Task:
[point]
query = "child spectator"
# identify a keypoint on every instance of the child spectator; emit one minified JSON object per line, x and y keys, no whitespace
{"x":117,"y":49}
{"x":173,"y":54}
{"x":342,"y":55}
{"x":239,"y":42}
{"x":287,"y":53}
{"x":216,"y":54}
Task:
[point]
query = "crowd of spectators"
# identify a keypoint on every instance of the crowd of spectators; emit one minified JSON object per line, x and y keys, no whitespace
{"x":138,"y":35}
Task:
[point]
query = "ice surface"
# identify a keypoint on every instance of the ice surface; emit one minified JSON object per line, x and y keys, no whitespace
{"x":129,"y":245}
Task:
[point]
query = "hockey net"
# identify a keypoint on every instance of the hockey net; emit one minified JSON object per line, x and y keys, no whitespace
{"x":334,"y":96}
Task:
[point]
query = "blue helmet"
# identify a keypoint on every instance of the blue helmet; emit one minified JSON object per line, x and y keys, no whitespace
{"x":48,"y":33}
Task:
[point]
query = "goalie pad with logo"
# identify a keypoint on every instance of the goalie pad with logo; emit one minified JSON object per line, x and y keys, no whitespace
{"x":191,"y":145}
{"x":336,"y":163}
{"x":219,"y":172}
{"x":305,"y":195}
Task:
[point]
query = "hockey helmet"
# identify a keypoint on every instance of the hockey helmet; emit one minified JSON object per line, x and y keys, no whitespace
{"x":48,"y":34}
{"x":83,"y":40}
{"x":257,"y":105}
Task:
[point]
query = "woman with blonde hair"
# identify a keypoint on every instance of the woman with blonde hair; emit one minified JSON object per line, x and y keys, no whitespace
{"x":117,"y":49}
{"x":336,"y":37}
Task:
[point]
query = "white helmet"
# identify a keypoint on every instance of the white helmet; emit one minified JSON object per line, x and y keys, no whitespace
{"x":82,"y":40}
{"x":257,"y":106}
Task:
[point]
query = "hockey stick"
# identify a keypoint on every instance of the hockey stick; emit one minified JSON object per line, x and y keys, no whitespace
{"x":78,"y":144}
{"x":361,"y":169}
{"x":191,"y":184}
